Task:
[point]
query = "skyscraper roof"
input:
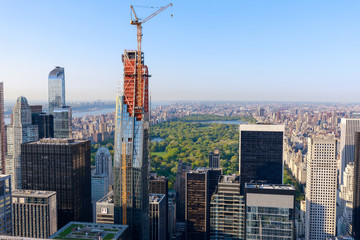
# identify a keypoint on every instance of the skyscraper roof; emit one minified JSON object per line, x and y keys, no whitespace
{"x":56,"y":72}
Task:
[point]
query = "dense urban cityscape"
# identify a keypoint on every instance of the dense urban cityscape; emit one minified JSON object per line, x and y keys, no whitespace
{"x":136,"y":169}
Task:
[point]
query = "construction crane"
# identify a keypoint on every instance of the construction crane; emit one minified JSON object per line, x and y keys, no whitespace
{"x":135,"y":80}
{"x":138,"y":23}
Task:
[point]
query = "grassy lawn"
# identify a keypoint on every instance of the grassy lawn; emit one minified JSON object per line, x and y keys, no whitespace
{"x":159,"y":154}
{"x":109,"y":236}
{"x":69,"y":230}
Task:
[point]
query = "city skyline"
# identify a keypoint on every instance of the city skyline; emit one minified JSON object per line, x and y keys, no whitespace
{"x":295,"y":51}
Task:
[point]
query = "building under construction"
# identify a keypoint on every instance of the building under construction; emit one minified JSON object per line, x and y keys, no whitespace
{"x":131,"y":157}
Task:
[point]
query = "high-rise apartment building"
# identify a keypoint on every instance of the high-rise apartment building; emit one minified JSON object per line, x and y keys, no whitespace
{"x":6,"y":205}
{"x":321,"y":186}
{"x":158,"y":230}
{"x":201,"y":183}
{"x":159,"y":185}
{"x":105,"y":209}
{"x":62,"y":122}
{"x":34,"y":213}
{"x":348,"y":128}
{"x":261,"y":153}
{"x":103,"y":163}
{"x":214,"y":159}
{"x":131,"y":155}
{"x":227,"y":210}
{"x":180,"y":184}
{"x":61,"y":165}
{"x":2,"y":130}
{"x":56,"y":88}
{"x":21,"y":131}
{"x":356,"y":196}
{"x":270,"y":211}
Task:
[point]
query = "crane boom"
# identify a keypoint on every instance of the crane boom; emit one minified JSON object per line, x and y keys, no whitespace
{"x":139,"y":69}
{"x":156,"y":13}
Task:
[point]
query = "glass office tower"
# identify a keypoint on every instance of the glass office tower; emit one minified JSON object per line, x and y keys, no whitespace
{"x":56,"y":91}
{"x":261,"y":153}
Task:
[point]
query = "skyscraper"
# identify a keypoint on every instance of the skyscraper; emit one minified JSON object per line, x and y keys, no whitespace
{"x":34,"y":213}
{"x":21,"y":131}
{"x":321,"y":189}
{"x":201,"y":183}
{"x":158,"y":230}
{"x":214,"y":159}
{"x":348,"y":128}
{"x":45,"y":123}
{"x":227,"y":210}
{"x":131,"y":156}
{"x":56,"y":88}
{"x":61,"y":165}
{"x":356,"y":203}
{"x":103,"y":163}
{"x":180,"y":184}
{"x":159,"y":185}
{"x":2,"y":129}
{"x":261,"y":153}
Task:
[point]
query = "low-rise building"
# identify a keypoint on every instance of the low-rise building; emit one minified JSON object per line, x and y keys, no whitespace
{"x":105,"y":209}
{"x":34,"y":213}
{"x":92,"y":231}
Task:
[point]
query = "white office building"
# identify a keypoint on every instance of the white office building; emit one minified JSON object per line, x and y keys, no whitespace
{"x":321,"y":189}
{"x":20,"y":131}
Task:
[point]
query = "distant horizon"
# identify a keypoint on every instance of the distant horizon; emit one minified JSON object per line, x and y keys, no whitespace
{"x":157,"y":102}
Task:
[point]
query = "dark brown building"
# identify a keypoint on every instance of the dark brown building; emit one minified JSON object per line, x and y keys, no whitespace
{"x":159,"y":185}
{"x":200,"y":185}
{"x":61,"y":165}
{"x":214,"y":159}
{"x":356,"y":203}
{"x":179,"y":187}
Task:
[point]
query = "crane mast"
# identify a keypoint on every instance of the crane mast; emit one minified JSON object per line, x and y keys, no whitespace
{"x":139,"y":69}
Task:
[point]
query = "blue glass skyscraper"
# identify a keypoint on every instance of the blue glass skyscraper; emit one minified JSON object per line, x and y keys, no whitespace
{"x":56,"y":85}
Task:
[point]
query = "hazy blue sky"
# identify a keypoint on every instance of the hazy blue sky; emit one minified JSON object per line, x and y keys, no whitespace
{"x":209,"y":50}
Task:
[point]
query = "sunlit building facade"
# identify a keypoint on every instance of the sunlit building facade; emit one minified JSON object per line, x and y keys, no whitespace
{"x":227,"y":210}
{"x":21,"y":131}
{"x":320,"y":222}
